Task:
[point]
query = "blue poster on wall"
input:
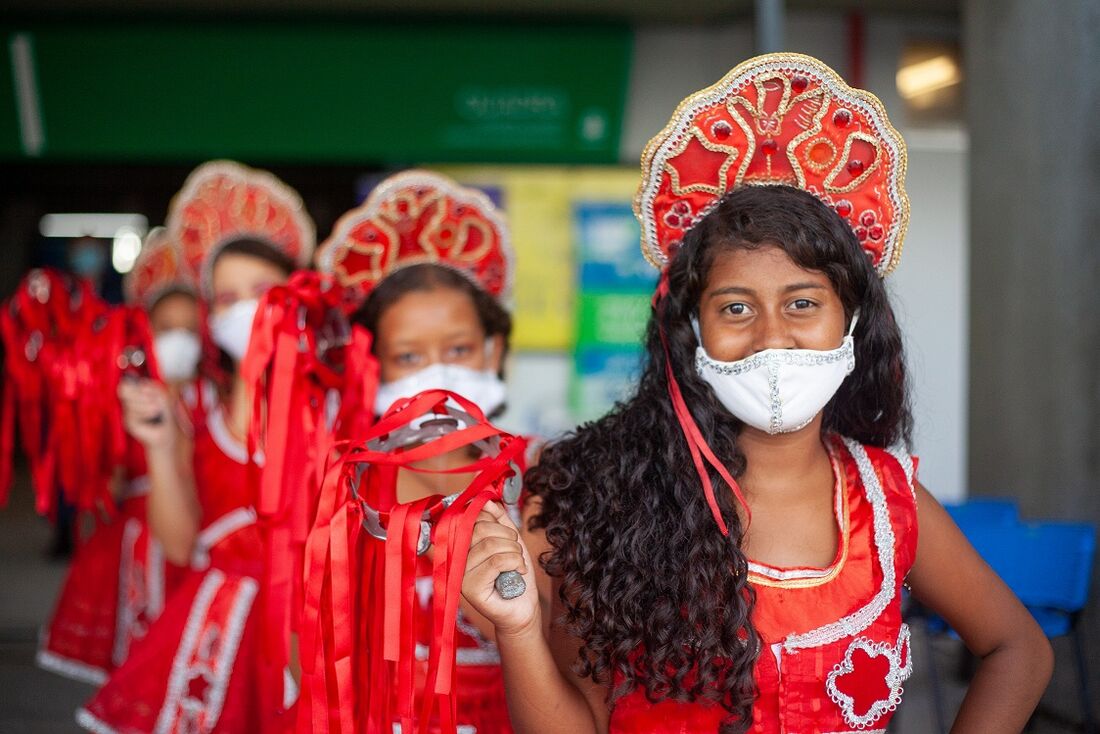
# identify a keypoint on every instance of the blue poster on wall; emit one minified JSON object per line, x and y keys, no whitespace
{"x":608,"y":253}
{"x":615,"y":285}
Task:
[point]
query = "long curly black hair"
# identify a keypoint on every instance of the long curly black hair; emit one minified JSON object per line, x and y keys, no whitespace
{"x":657,"y":595}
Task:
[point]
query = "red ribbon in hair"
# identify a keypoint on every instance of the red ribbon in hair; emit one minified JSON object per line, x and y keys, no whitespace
{"x":697,"y":444}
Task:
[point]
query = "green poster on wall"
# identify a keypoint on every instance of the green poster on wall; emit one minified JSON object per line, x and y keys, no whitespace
{"x":354,"y":92}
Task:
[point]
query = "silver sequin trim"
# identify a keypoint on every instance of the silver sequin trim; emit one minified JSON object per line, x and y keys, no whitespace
{"x":862,"y":618}
{"x":801,"y":357}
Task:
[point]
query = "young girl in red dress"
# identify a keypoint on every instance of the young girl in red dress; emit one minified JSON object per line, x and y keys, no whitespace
{"x":118,"y":580}
{"x":729,"y":546}
{"x":433,"y":263}
{"x":243,"y":231}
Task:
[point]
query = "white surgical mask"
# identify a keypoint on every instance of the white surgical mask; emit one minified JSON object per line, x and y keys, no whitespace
{"x":178,"y":352}
{"x":778,"y":390}
{"x":232,"y":328}
{"x":481,"y":387}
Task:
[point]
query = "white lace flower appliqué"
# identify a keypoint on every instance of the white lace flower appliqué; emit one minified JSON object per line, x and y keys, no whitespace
{"x":868,"y":682}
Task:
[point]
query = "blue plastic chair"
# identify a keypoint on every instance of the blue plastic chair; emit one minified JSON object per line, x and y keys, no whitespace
{"x":975,"y":512}
{"x":1048,"y":565}
{"x":978,"y":511}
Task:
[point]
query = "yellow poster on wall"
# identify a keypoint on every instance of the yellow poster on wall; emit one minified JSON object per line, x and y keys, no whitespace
{"x":539,"y":202}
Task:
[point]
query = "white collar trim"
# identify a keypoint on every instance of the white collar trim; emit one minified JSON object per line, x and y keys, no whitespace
{"x":223,"y":439}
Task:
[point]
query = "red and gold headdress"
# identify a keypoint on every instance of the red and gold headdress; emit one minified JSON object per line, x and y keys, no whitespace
{"x":158,"y":270}
{"x":419,"y":217}
{"x":780,"y":118}
{"x":222,"y":201}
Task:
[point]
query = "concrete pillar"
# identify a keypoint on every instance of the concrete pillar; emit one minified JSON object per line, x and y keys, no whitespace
{"x":770,"y":26}
{"x":1033,"y":97}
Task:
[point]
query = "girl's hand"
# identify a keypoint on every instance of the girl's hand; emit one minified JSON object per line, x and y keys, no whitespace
{"x":147,"y":413}
{"x":496,"y":547}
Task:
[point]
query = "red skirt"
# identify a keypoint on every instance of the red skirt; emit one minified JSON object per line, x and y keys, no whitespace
{"x":191,"y":672}
{"x":114,"y":589}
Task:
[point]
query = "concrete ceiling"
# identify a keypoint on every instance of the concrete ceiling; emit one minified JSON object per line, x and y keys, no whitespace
{"x":638,"y":11}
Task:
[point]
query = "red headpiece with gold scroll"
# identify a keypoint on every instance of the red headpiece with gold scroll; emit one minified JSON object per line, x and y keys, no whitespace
{"x":781,"y":118}
{"x":417,"y":217}
{"x":222,"y":201}
{"x":158,"y":270}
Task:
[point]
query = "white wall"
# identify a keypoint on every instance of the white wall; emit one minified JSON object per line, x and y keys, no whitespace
{"x":930,"y":293}
{"x":930,"y":287}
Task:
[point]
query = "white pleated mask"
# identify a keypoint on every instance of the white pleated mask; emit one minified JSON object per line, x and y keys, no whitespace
{"x":481,"y":387}
{"x":178,"y":352}
{"x":232,"y":328}
{"x":778,"y":390}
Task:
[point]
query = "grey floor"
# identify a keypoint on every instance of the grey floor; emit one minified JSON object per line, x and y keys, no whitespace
{"x":33,"y":701}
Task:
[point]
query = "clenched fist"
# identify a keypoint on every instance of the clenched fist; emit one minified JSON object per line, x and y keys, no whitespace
{"x":496,"y":547}
{"x":147,"y":413}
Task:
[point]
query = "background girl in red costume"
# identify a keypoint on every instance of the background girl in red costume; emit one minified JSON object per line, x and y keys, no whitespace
{"x":118,"y":579}
{"x":435,"y":265}
{"x":243,"y":231}
{"x":771,"y":600}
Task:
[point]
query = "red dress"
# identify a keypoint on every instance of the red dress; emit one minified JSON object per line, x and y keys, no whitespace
{"x":114,"y":589}
{"x":194,"y":670}
{"x":834,"y":650}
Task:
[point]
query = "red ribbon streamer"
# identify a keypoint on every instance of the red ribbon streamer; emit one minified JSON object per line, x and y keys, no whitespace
{"x":697,"y":444}
{"x":300,"y":352}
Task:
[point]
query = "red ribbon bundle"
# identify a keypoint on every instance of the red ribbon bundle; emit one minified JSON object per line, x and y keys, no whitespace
{"x":301,"y":357}
{"x":65,"y":352}
{"x":358,"y":645}
{"x":116,"y":347}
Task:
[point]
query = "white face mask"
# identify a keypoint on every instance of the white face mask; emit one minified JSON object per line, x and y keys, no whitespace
{"x":232,"y":328}
{"x":778,"y":390}
{"x":481,"y":387}
{"x":178,"y":352}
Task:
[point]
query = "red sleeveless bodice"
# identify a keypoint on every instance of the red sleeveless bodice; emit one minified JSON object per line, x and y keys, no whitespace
{"x":834,"y":650}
